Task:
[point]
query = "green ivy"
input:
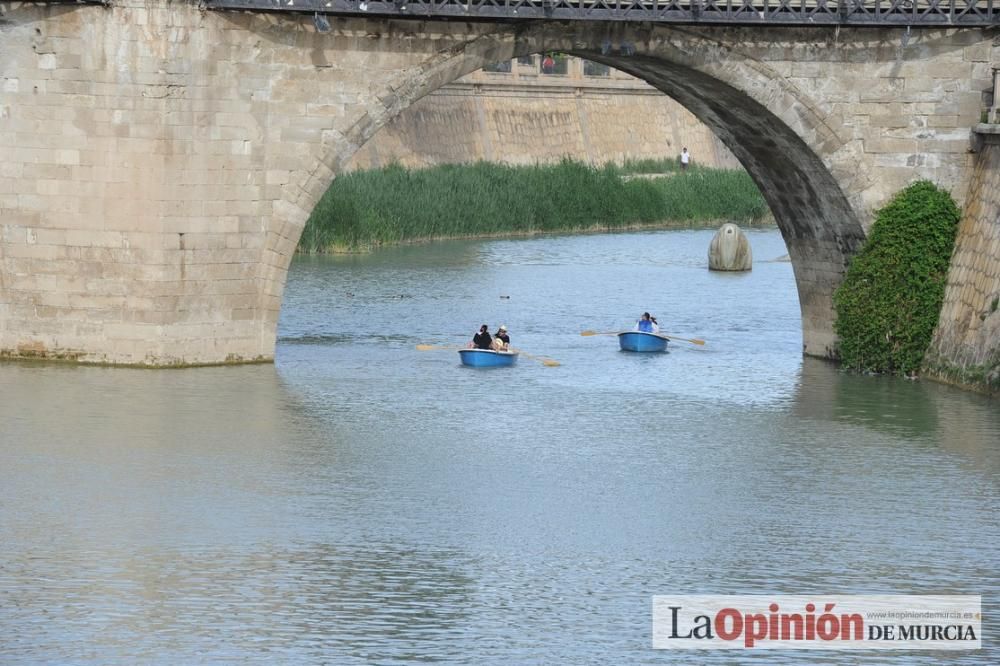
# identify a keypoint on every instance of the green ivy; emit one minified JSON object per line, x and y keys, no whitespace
{"x":890,"y":300}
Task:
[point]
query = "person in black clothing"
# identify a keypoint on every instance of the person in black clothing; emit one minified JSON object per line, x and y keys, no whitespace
{"x":482,"y":339}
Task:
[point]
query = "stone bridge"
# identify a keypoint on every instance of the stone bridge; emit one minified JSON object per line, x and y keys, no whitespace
{"x":158,"y":161}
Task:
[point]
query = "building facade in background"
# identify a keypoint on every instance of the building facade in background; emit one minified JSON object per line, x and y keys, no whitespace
{"x":540,"y":109}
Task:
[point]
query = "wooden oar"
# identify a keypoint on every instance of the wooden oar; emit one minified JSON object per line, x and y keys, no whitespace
{"x":694,"y":341}
{"x":546,"y":361}
{"x":438,"y":347}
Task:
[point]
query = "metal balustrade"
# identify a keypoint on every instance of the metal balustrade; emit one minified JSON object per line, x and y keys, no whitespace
{"x":915,"y":13}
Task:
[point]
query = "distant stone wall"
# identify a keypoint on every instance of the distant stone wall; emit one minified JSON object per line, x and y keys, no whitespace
{"x":966,"y":346}
{"x":526,"y":117}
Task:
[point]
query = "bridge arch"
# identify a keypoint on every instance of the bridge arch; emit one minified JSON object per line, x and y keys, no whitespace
{"x":158,"y":161}
{"x":782,"y":137}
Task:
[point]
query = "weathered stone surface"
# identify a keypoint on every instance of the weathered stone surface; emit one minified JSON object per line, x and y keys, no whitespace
{"x":527,"y":117}
{"x":730,"y":250}
{"x":966,"y":344}
{"x":141,"y":141}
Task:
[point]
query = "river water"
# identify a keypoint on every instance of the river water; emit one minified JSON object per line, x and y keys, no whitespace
{"x":364,"y":502}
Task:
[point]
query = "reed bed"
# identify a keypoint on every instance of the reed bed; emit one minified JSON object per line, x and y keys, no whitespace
{"x":366,"y":209}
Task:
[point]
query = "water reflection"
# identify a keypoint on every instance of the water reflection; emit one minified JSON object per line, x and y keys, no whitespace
{"x":888,"y":404}
{"x":374,"y":603}
{"x":361,"y":502}
{"x":917,"y":411}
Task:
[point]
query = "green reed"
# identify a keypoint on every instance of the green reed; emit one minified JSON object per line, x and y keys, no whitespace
{"x":366,"y":209}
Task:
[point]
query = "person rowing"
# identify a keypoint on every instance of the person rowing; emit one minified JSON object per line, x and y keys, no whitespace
{"x":482,"y":339}
{"x":647,"y":324}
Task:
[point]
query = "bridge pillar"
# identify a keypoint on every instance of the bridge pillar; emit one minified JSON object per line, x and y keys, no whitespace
{"x":966,"y":345}
{"x":137,"y":213}
{"x":158,"y":163}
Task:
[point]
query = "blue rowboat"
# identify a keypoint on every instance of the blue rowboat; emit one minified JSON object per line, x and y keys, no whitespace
{"x":637,"y":341}
{"x":487,"y":358}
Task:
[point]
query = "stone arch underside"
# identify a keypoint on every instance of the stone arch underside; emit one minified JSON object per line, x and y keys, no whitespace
{"x":158,"y":162}
{"x":820,"y":227}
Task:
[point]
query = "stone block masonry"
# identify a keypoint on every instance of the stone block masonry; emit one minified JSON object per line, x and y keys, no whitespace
{"x":158,"y":162}
{"x":966,"y":345}
{"x":527,"y":117}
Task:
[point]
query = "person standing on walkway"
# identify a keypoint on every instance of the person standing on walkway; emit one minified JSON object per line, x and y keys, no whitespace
{"x":685,"y":159}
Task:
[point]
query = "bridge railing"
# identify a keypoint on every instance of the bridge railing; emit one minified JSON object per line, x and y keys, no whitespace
{"x":917,"y":13}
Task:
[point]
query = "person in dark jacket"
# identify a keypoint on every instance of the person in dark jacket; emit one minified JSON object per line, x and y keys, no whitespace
{"x":483,"y":339}
{"x":501,"y":341}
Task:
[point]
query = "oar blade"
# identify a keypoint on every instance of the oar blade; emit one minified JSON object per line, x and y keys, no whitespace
{"x":548,"y":362}
{"x":694,"y":341}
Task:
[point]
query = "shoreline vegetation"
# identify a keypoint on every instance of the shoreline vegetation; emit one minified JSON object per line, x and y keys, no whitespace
{"x":364,"y":210}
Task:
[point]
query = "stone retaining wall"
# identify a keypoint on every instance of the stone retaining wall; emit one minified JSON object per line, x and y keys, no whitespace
{"x":531,"y":118}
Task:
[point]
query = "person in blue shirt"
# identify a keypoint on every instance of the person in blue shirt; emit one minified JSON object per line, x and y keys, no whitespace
{"x":647,"y":324}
